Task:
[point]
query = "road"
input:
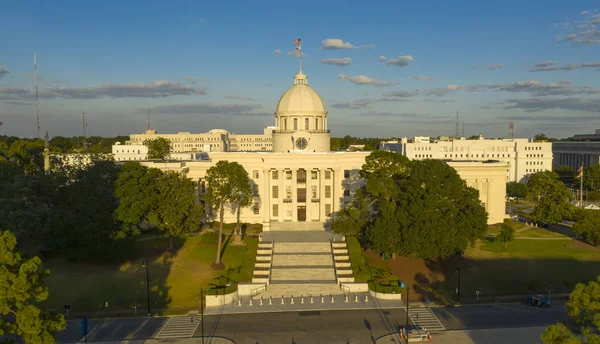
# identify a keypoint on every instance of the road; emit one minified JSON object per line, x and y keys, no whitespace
{"x":322,"y":327}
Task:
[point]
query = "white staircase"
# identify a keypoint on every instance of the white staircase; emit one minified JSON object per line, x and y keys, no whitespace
{"x":301,"y":268}
{"x":425,"y":317}
{"x":179,"y":327}
{"x":343,"y":268}
{"x":262,"y":267}
{"x":297,"y":226}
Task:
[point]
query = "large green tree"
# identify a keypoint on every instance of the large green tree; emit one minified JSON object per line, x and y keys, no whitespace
{"x":27,"y":155}
{"x":159,"y":148}
{"x":135,"y":190}
{"x":516,"y":190}
{"x":591,"y":177}
{"x":228,"y":182}
{"x":588,"y":226}
{"x":551,"y":197}
{"x":176,"y":209}
{"x":506,"y":234}
{"x":21,"y":288}
{"x":584,"y":317}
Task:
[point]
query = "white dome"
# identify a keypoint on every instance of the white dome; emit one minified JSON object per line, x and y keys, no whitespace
{"x":300,"y":99}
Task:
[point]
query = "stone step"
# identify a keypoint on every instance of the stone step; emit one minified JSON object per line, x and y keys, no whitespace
{"x":345,"y":279}
{"x":339,"y":244}
{"x":344,"y":271}
{"x":264,"y":251}
{"x":340,"y":251}
{"x":297,"y":226}
{"x":287,"y":260}
{"x":339,"y":265}
{"x":262,"y":272}
{"x":294,"y":274}
{"x":265,"y":244}
{"x":298,"y":289}
{"x":266,"y":264}
{"x":302,"y":247}
{"x":260,"y":279}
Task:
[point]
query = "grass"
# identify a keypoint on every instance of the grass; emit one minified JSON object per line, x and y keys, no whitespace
{"x":176,"y":277}
{"x":539,"y":233}
{"x":364,"y":269}
{"x":247,"y":228}
{"x":495,"y":228}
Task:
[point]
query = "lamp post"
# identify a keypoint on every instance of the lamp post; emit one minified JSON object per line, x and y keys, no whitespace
{"x":147,"y":283}
{"x":458,"y":284}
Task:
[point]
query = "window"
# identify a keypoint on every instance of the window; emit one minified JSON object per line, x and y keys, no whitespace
{"x":275,"y":191}
{"x":306,"y":124}
{"x":346,"y":193}
{"x":295,"y":124}
{"x":327,"y":191}
{"x":314,"y":191}
{"x":314,"y":175}
{"x":327,"y":174}
{"x":256,"y":210}
{"x":254,"y":190}
{"x":256,"y":174}
{"x":285,"y":124}
{"x":327,"y":209}
{"x":275,"y":175}
{"x":275,"y":210}
{"x":316,"y":124}
{"x":346,"y":173}
{"x":288,"y":191}
{"x":301,"y":176}
{"x":301,"y":195}
{"x":288,"y":174}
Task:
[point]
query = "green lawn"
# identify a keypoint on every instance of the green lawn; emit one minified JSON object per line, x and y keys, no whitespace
{"x":177,"y":277}
{"x":495,"y":228}
{"x":539,"y":233}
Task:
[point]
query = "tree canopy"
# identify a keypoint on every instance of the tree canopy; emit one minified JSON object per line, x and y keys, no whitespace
{"x":228,"y":186}
{"x":584,"y":317}
{"x":588,"y":226}
{"x":516,"y":190}
{"x":591,"y":177}
{"x":159,"y":148}
{"x":551,"y":197}
{"x":21,"y":287}
{"x":420,"y":208}
{"x":506,"y":234}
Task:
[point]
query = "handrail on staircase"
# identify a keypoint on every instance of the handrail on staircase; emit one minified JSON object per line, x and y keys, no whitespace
{"x":344,"y":288}
{"x":258,"y":290}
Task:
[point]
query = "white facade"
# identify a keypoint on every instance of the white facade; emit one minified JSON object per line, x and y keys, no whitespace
{"x":129,"y":152}
{"x":522,"y":156}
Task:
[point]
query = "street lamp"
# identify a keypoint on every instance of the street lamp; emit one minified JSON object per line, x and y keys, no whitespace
{"x":148,"y":280}
{"x":458,"y":284}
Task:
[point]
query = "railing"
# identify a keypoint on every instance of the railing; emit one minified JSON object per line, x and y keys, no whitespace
{"x":258,"y":290}
{"x":315,"y":200}
{"x":287,"y":200}
{"x":344,"y":288}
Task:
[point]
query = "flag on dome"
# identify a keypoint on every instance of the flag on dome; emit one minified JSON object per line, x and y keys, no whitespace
{"x":580,"y":172}
{"x":298,"y":43}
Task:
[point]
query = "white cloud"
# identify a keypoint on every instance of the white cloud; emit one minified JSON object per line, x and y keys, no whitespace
{"x":583,"y":31}
{"x":336,"y":43}
{"x":442,"y":91}
{"x":213,"y":109}
{"x":356,"y":104}
{"x":541,"y":104}
{"x":3,"y":71}
{"x":277,"y":52}
{"x":584,"y":12}
{"x":495,"y":66}
{"x":368,"y":46}
{"x":537,"y":88}
{"x":401,"y":61}
{"x":44,"y":80}
{"x":202,"y":20}
{"x":365,"y":80}
{"x":297,"y":53}
{"x":341,"y":61}
{"x":551,"y":66}
{"x":239,"y":97}
{"x":423,"y":78}
{"x":400,"y":96}
{"x":191,"y":80}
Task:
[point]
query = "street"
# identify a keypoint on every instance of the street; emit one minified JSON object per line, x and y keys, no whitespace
{"x":322,"y":327}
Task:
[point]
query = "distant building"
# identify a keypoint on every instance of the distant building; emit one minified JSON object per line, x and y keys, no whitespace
{"x":575,"y":154}
{"x":523,"y":156}
{"x":587,"y":137}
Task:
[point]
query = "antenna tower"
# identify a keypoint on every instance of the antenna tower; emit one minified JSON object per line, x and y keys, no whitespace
{"x":463,"y":128}
{"x":511,"y":129}
{"x":37,"y":103}
{"x":457,"y":126}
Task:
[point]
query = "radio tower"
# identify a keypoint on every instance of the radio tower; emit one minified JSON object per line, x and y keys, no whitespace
{"x":511,"y":129}
{"x":37,"y":104}
{"x":457,"y":126}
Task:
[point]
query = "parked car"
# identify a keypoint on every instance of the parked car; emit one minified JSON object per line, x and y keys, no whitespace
{"x":537,"y":300}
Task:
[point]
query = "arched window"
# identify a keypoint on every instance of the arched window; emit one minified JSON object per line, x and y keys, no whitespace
{"x":306,"y":124}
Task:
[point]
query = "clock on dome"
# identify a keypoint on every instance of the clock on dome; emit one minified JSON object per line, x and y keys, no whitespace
{"x":301,"y":143}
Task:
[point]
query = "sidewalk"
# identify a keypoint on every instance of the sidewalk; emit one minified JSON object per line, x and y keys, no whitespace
{"x":526,"y":335}
{"x":319,"y":304}
{"x":197,"y":340}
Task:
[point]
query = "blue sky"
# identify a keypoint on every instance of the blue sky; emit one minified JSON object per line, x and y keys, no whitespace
{"x":384,"y":69}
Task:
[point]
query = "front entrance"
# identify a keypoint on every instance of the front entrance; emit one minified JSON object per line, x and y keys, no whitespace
{"x":301,"y":214}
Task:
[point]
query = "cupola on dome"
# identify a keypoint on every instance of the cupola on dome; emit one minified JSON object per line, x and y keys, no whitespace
{"x":300,"y":99}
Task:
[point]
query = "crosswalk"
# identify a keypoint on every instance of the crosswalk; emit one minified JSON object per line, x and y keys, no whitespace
{"x":424,"y":317}
{"x":179,"y":327}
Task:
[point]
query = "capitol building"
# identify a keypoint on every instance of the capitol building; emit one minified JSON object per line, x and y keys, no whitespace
{"x":298,"y":183}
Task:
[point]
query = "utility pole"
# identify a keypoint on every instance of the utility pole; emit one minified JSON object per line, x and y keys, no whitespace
{"x":457,"y":126}
{"x":458,"y":285}
{"x":37,"y":103}
{"x":202,"y":312}
{"x":463,"y":128}
{"x":581,"y":186}
{"x":511,"y":129}
{"x":84,"y":125}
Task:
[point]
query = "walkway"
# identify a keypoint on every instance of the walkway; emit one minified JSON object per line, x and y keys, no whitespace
{"x":526,"y":335}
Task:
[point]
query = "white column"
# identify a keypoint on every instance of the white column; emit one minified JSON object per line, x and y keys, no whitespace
{"x":338,"y":193}
{"x":308,"y":184}
{"x":294,"y":196}
{"x":266,"y":201}
{"x":281,"y":174}
{"x":322,"y":199}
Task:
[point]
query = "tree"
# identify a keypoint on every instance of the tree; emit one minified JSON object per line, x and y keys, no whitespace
{"x":591,"y":177}
{"x":507,"y":233}
{"x":559,"y":334}
{"x":564,"y":169}
{"x":27,"y":155}
{"x":588,"y":226}
{"x":175,"y":210}
{"x":228,"y":182}
{"x":21,"y":288}
{"x":420,"y":208}
{"x":540,"y":138}
{"x":158,"y":148}
{"x":584,"y":317}
{"x":135,"y":192}
{"x":551,"y":197}
{"x":516,"y":190}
